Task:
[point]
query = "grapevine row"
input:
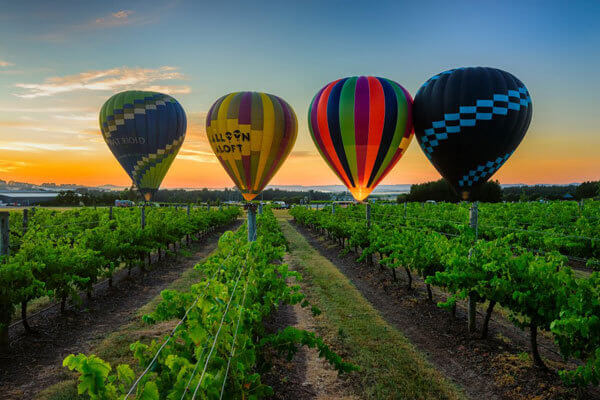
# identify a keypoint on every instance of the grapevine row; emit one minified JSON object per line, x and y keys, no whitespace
{"x":217,"y":348}
{"x":60,"y":254}
{"x":540,"y":291}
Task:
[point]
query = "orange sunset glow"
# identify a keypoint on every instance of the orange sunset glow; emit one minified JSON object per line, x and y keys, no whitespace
{"x":49,"y":106}
{"x":536,"y":161}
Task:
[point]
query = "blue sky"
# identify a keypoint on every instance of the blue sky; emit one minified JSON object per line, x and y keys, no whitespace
{"x":198,"y":51}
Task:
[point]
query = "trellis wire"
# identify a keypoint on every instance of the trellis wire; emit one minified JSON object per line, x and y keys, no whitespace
{"x":137,"y":381}
{"x":218,"y":331}
{"x":234,"y":339}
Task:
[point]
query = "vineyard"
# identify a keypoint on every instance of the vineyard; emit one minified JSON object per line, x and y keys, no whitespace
{"x":179,"y":224}
{"x":517,"y":257}
{"x":62,"y":254}
{"x":532,"y":265}
{"x":215,"y":348}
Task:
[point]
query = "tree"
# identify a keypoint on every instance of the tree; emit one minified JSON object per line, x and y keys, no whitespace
{"x":441,"y":190}
{"x":532,"y":193}
{"x":490,"y":192}
{"x":587,"y":190}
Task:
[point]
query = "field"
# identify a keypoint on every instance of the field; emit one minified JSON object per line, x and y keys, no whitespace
{"x":397,"y":301}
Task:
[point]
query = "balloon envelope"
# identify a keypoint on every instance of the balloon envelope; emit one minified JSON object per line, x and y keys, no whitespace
{"x":251,"y":133}
{"x":468,"y":122}
{"x":361,"y":126}
{"x":144,"y":130}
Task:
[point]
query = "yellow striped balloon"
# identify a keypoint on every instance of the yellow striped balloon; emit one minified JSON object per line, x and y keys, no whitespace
{"x":251,"y":133}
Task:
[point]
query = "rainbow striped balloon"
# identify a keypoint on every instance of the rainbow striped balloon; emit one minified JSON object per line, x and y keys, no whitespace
{"x":361,"y":126}
{"x":251,"y":133}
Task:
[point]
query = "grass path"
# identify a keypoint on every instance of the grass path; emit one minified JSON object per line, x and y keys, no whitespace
{"x":391,"y":366}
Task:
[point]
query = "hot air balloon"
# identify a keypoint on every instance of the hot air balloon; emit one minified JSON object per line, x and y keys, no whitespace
{"x":251,"y":133}
{"x":469,"y":121}
{"x":361,"y":126}
{"x":144,"y":130}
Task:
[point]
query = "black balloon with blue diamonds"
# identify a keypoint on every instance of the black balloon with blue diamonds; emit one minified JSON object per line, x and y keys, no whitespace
{"x":468,"y":122}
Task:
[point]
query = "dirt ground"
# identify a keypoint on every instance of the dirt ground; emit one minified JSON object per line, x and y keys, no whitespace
{"x":306,"y":376}
{"x":495,"y":368}
{"x":35,"y":360}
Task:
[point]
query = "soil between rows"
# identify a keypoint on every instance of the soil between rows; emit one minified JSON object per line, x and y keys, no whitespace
{"x":306,"y":377}
{"x":34,"y":361}
{"x":495,"y":368}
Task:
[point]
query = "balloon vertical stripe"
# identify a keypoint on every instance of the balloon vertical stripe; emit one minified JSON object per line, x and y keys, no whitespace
{"x":376,"y":119}
{"x":335,"y":131}
{"x":324,"y":132}
{"x":362,"y":105}
{"x":315,"y":132}
{"x":347,"y":123}
{"x":284,"y":147}
{"x":361,"y":126}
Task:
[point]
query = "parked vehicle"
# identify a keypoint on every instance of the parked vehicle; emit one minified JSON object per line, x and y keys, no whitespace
{"x":124,"y":203}
{"x":280,"y":205}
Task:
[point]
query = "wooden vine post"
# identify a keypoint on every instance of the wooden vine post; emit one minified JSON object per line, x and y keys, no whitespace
{"x":251,"y":222}
{"x":4,"y":234}
{"x":188,"y":211}
{"x":474,"y":218}
{"x":5,"y":318}
{"x":25,"y":220}
{"x":473,"y":223}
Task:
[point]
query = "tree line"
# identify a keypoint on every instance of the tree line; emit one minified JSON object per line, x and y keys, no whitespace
{"x":90,"y":197}
{"x":440,"y":190}
{"x":492,"y":192}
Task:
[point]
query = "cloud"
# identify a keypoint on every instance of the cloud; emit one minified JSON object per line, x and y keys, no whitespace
{"x":49,"y":110}
{"x":39,"y":147}
{"x":91,"y":131}
{"x":50,"y":129}
{"x":116,"y":19}
{"x":14,"y":124}
{"x":4,"y":63}
{"x":32,"y":125}
{"x":112,"y":20}
{"x":7,"y":166}
{"x":78,"y":117}
{"x":122,"y":14}
{"x":113,"y":79}
{"x":303,"y":154}
{"x":196,"y":127}
{"x":197,"y":156}
{"x":169,"y":89}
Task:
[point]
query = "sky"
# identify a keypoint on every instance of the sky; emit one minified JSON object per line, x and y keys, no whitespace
{"x":61,"y":60}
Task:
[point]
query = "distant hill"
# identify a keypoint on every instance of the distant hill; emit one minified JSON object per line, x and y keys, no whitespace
{"x":404,"y":188}
{"x":381,"y":189}
{"x":111,"y":187}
